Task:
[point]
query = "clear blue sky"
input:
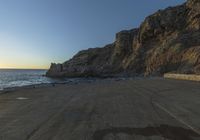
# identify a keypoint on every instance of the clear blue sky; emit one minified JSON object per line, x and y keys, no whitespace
{"x":34,"y":33}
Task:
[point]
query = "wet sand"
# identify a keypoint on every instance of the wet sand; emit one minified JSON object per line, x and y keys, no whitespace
{"x":153,"y":109}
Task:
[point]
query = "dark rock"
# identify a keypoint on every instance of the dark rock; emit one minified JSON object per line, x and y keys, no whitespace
{"x":55,"y":70}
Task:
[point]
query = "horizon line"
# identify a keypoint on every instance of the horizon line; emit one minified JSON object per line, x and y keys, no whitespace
{"x":23,"y":68}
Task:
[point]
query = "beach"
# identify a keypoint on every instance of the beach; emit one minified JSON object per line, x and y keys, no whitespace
{"x":134,"y":109}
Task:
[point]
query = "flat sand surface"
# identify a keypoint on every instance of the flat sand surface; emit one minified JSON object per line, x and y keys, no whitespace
{"x":143,"y":109}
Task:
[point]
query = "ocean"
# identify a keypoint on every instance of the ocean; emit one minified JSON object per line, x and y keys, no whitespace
{"x":10,"y":78}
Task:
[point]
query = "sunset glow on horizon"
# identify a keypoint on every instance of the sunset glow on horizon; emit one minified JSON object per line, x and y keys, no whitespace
{"x":25,"y":66}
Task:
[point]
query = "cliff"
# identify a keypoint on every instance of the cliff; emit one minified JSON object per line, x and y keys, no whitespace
{"x":167,"y":41}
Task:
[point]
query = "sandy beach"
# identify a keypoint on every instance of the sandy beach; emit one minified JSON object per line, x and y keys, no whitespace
{"x":153,"y":109}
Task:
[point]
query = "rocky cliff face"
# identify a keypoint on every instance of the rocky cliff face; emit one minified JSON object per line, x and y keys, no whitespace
{"x":167,"y":41}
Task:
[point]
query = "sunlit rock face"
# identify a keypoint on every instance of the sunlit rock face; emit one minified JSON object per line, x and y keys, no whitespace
{"x":167,"y":41}
{"x":193,"y":14}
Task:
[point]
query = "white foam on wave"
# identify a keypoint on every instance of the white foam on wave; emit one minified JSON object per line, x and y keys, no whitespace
{"x":20,"y":78}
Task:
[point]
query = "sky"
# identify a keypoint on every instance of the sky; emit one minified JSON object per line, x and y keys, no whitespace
{"x":34,"y":33}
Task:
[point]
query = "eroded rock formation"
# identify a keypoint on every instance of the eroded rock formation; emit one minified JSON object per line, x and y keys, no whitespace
{"x":167,"y":41}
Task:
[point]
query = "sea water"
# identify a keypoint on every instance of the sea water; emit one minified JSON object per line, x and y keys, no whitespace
{"x":19,"y":77}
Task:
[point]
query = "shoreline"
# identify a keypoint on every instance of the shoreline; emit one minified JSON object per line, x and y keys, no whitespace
{"x":72,"y":81}
{"x":33,"y":86}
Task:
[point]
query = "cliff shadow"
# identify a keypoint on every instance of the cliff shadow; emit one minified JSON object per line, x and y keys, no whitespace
{"x":165,"y":131}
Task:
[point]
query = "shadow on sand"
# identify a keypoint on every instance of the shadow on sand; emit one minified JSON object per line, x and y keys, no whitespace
{"x":165,"y":131}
